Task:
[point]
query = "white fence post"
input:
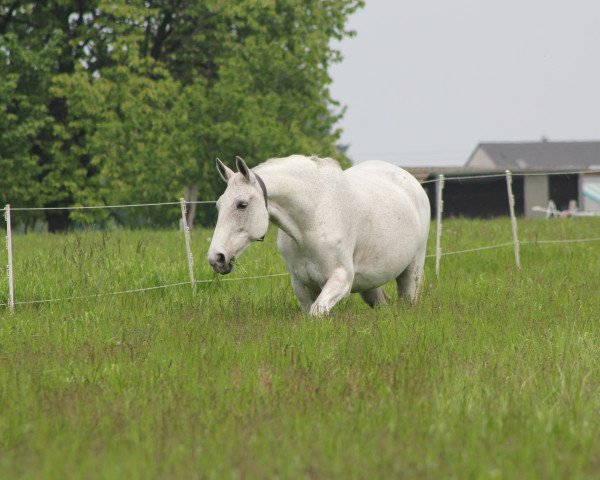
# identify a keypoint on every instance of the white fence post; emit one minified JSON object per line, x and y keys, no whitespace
{"x":439,"y":210}
{"x":11,"y":280}
{"x":513,"y":218}
{"x":188,"y":244}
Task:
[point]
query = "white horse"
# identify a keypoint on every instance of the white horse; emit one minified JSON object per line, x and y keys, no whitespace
{"x":339,"y":231}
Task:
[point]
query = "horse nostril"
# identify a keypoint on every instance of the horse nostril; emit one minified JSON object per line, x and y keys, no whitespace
{"x":220,"y":258}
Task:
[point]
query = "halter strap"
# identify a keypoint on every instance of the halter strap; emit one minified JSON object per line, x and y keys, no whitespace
{"x":262,"y":186}
{"x":264,"y":191}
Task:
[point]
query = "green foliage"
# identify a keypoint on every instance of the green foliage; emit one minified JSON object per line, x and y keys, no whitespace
{"x":130,"y":101}
{"x":23,"y":114}
{"x":494,"y":374}
{"x":137,"y":136}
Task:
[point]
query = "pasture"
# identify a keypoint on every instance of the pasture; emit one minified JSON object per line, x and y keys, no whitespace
{"x":494,"y":374}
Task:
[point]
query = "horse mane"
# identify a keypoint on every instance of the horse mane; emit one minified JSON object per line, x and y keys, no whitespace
{"x":296,"y":160}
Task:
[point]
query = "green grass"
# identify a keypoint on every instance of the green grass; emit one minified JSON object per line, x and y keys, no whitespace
{"x":495,"y":374}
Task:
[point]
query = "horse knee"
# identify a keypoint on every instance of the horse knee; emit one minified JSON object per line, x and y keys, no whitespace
{"x":337,"y":287}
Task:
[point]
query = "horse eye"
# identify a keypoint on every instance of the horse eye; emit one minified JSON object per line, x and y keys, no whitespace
{"x":242,"y":205}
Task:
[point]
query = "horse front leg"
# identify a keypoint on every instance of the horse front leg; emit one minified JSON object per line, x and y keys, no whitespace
{"x":337,"y":287}
{"x":304,"y":294}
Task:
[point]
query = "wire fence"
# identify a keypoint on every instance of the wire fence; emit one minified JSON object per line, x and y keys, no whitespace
{"x":145,"y":289}
{"x":440,"y":180}
{"x":94,"y":207}
{"x":517,"y":174}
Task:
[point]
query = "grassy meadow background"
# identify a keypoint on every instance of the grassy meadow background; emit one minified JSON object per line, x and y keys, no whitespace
{"x":494,"y":374}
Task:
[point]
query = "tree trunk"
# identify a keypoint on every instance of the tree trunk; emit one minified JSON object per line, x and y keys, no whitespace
{"x":191,"y":195}
{"x":58,"y":220}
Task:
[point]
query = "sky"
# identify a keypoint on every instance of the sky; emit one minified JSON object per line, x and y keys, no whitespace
{"x":424,"y":81}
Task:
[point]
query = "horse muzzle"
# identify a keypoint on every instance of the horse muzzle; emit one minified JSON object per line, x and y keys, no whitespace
{"x":218,"y":262}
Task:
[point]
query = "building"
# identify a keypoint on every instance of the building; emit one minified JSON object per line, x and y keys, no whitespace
{"x":542,"y":171}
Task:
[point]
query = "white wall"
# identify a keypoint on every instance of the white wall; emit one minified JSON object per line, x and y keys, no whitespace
{"x":536,"y":192}
{"x":591,"y":184}
{"x":480,"y":159}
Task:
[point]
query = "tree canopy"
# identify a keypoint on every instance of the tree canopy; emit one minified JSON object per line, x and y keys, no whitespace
{"x":128,"y":101}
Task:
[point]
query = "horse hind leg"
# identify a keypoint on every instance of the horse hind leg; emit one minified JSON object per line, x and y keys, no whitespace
{"x":410,"y":280}
{"x":375,"y":297}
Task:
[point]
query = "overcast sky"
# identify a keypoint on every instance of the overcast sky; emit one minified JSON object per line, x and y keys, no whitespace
{"x":426,"y":80}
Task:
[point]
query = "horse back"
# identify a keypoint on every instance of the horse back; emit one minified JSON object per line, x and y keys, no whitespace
{"x":375,"y":179}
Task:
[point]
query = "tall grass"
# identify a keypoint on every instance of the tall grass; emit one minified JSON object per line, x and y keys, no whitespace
{"x":495,"y":373}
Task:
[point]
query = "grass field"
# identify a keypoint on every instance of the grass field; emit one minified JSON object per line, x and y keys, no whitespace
{"x":495,"y":374}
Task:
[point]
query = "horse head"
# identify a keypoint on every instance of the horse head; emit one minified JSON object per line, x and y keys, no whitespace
{"x":243,"y":216}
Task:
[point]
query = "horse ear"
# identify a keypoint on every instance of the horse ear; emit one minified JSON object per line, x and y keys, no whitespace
{"x":225,"y":172}
{"x":242,"y":168}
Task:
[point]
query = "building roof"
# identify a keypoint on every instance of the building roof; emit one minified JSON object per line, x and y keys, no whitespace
{"x":429,"y":173}
{"x":425,"y":173}
{"x":543,"y":155}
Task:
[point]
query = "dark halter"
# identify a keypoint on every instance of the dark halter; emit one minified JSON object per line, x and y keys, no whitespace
{"x":262,"y":186}
{"x":264,"y":191}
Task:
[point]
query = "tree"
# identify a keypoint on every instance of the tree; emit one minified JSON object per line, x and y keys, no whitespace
{"x":46,"y":36}
{"x":23,"y":114}
{"x":140,"y":97}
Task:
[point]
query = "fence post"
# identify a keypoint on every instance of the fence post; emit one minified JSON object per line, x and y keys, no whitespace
{"x":513,"y":218}
{"x":11,"y":280}
{"x":188,"y":244}
{"x":439,"y":210}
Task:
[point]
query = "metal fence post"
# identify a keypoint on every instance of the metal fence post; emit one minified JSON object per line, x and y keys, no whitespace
{"x":188,"y":244}
{"x":513,"y":218}
{"x":11,"y":280}
{"x":439,"y":211}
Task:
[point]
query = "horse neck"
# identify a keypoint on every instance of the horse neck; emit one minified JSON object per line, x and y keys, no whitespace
{"x":293,"y":195}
